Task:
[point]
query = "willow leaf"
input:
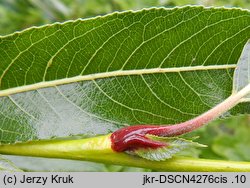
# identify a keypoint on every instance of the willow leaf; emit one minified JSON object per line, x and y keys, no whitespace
{"x":93,"y":76}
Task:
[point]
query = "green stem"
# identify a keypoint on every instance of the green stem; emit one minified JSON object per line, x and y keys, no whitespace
{"x":98,"y":149}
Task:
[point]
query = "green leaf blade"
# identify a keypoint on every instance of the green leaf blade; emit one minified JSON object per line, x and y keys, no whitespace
{"x":93,"y":76}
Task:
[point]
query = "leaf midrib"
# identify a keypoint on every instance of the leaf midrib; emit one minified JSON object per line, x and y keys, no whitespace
{"x":39,"y":85}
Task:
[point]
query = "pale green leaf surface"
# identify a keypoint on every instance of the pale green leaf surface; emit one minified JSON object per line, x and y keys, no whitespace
{"x":93,"y":76}
{"x":37,"y":164}
{"x":7,"y":166}
{"x":174,"y":145}
{"x":242,"y":71}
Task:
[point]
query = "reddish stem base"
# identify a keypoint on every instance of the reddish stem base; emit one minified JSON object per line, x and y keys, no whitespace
{"x":130,"y":138}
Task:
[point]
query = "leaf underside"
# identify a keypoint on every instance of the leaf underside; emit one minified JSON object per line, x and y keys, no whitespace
{"x":242,"y":72}
{"x":7,"y":166}
{"x":155,"y":66}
